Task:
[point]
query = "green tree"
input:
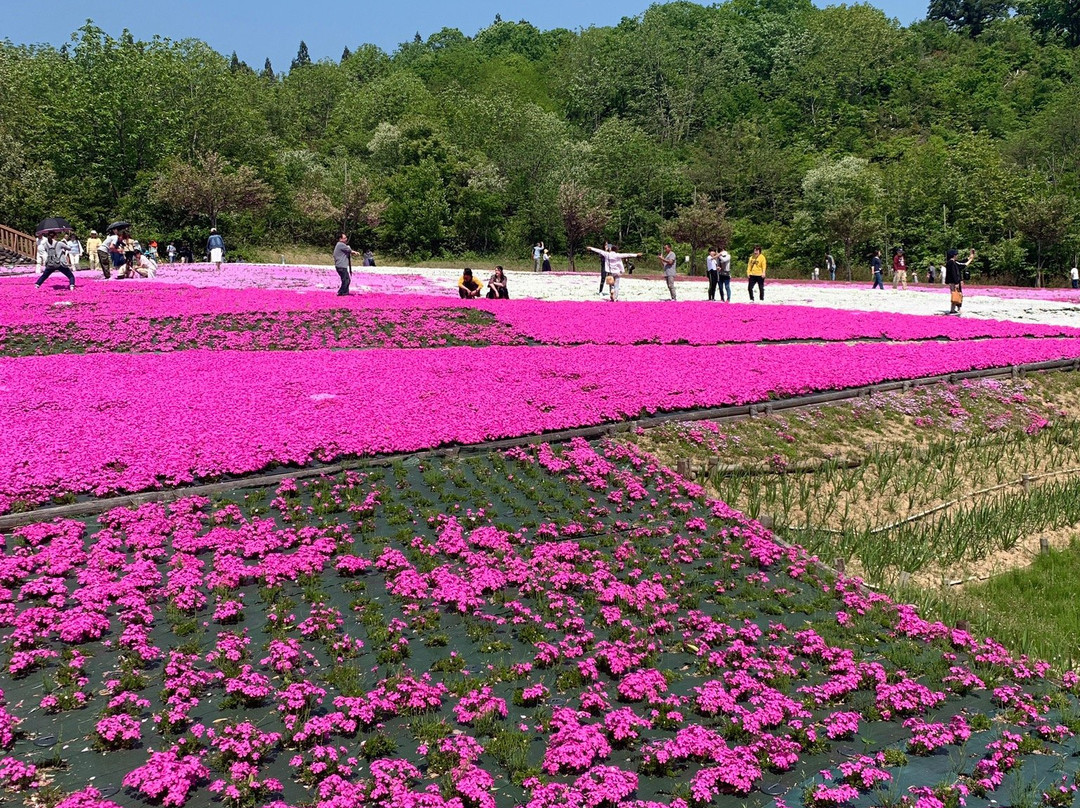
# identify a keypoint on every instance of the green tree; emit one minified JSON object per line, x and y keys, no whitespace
{"x":1045,"y":222}
{"x":303,"y":59}
{"x":1053,"y":18}
{"x":841,"y":200}
{"x":209,"y":186}
{"x":584,"y":212}
{"x":702,"y":223}
{"x":968,"y":16}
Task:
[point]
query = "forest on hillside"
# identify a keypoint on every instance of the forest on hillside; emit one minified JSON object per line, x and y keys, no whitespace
{"x":753,"y":121}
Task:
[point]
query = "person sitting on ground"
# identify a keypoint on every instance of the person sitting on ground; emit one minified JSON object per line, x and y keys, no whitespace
{"x":468,"y":287}
{"x":497,"y":286}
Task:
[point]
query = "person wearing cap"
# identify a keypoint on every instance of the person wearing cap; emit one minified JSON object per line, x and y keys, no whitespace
{"x":899,"y":269}
{"x":93,"y":244}
{"x":215,"y":247}
{"x":152,"y":252}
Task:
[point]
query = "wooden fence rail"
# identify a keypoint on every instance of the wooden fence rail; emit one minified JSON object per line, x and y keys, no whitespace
{"x":15,"y":241}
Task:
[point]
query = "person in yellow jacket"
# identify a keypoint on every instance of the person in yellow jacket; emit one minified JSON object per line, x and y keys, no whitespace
{"x":93,"y":244}
{"x":755,"y":271}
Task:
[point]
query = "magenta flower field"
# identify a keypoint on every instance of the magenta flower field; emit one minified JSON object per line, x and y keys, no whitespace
{"x":568,"y":624}
{"x":126,"y":388}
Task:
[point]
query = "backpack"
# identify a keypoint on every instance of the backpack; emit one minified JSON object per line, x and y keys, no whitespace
{"x":54,"y":253}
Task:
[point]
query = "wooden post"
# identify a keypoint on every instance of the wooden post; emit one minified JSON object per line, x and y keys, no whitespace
{"x":1044,"y":545}
{"x":838,"y":565}
{"x":1025,"y":481}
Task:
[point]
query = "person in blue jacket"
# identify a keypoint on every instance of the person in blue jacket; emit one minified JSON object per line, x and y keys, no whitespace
{"x":215,"y":247}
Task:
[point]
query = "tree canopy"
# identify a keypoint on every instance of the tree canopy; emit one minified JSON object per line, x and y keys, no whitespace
{"x":808,"y":129}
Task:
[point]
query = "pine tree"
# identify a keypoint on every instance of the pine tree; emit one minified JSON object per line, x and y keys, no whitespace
{"x":302,"y":58}
{"x":345,"y":54}
{"x":268,"y":69}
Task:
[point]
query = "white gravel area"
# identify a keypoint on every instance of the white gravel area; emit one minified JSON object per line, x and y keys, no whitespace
{"x":917,"y":299}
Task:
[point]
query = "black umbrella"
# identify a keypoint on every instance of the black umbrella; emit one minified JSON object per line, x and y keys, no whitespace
{"x":118,"y":226}
{"x":56,"y":224}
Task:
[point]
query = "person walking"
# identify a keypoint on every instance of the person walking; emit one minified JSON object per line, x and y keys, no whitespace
{"x":93,"y":244}
{"x":899,"y":269}
{"x":538,"y":253}
{"x":830,"y":266}
{"x":215,"y":248}
{"x":875,"y":267}
{"x":755,"y":271}
{"x":670,"y":265}
{"x":1074,"y":276}
{"x":614,"y":262}
{"x":343,"y":254}
{"x":723,"y":273}
{"x":710,"y":270}
{"x":55,"y":260}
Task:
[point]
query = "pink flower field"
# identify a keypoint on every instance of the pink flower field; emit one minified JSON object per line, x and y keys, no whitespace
{"x":140,"y":386}
{"x":567,"y":624}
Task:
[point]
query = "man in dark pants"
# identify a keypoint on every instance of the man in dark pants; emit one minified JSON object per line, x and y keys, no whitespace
{"x":55,"y":261}
{"x":343,"y":254}
{"x":603,"y":269}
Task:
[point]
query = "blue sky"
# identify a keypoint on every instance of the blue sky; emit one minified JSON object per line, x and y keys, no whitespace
{"x":256,"y":29}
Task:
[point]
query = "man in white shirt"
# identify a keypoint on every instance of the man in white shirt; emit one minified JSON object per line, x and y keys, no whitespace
{"x":710,"y":270}
{"x":1074,"y":274}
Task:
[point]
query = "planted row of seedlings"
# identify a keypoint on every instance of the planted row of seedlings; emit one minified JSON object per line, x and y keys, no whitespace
{"x":558,"y":625}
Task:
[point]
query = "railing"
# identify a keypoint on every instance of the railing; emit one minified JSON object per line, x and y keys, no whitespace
{"x":18,"y":242}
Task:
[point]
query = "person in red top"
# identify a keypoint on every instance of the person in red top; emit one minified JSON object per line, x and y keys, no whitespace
{"x":899,"y":269}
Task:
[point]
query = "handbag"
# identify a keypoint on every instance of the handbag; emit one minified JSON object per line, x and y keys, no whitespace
{"x":957,"y":297}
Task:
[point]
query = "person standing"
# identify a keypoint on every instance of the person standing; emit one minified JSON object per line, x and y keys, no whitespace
{"x":93,"y":244}
{"x":215,"y":247}
{"x":55,"y":260}
{"x":723,"y":272}
{"x":830,"y":266}
{"x":670,"y":265}
{"x":369,"y":258}
{"x":954,"y":278}
{"x":614,"y":262}
{"x":1074,"y":276}
{"x":152,"y":252}
{"x":545,"y":265}
{"x":170,"y":251}
{"x":42,"y":253}
{"x":875,"y":267}
{"x":343,"y":254}
{"x":74,"y":251}
{"x":603,"y":267}
{"x":899,"y":269}
{"x":755,"y":271}
{"x":930,"y":272}
{"x":710,"y":270}
{"x":538,"y":253}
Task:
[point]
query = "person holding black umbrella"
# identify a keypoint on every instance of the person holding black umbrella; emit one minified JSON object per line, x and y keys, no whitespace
{"x":55,"y":260}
